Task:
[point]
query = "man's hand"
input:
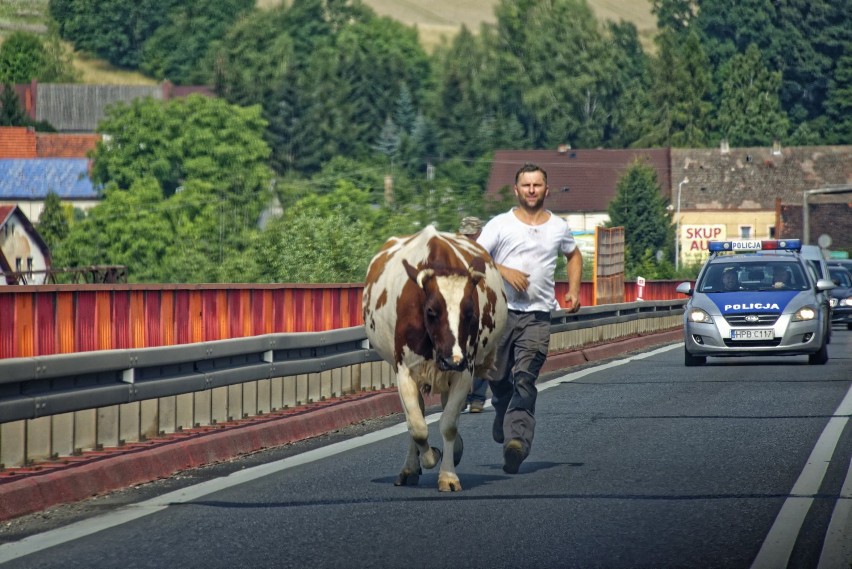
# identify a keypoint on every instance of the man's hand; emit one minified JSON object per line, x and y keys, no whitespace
{"x":572,"y":302}
{"x":518,"y":280}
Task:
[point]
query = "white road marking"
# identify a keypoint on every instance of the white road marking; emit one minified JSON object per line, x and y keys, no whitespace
{"x":837,"y":548}
{"x":778,"y":545}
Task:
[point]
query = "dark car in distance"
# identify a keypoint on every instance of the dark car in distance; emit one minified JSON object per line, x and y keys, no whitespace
{"x":841,"y":295}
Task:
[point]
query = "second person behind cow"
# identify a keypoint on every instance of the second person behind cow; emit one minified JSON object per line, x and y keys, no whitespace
{"x":471,"y":227}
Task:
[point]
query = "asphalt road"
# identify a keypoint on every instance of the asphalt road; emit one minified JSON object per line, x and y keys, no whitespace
{"x":637,"y":463}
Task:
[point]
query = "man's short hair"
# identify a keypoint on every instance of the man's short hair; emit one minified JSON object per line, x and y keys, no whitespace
{"x":530,"y":167}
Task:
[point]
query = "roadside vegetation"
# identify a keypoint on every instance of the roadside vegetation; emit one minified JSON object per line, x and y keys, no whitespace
{"x":355,"y":124}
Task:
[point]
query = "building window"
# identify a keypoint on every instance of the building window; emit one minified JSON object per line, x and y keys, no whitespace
{"x":18,"y":264}
{"x":771,"y":231}
{"x":745,"y":231}
{"x":30,"y":266}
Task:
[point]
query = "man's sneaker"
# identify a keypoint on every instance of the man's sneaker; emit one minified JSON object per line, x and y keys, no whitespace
{"x":476,"y":406}
{"x":513,"y":456}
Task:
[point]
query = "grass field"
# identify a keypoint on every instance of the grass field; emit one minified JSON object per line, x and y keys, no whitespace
{"x":436,"y":20}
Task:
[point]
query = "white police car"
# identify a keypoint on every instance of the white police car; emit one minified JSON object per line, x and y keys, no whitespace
{"x":756,"y":298}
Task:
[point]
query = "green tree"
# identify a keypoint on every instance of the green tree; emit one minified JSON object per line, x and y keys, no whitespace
{"x":680,"y":94}
{"x":469,"y":105}
{"x":562,"y":66}
{"x":53,"y":222}
{"x":11,"y":112}
{"x":751,"y":112}
{"x":178,"y":49}
{"x":126,"y":228}
{"x":640,"y":208}
{"x":804,"y":40}
{"x":199,"y":167}
{"x":22,"y":57}
{"x":193,"y":138}
{"x":329,"y":238}
{"x":631,"y":115}
{"x":839,"y":103}
{"x":115,"y":30}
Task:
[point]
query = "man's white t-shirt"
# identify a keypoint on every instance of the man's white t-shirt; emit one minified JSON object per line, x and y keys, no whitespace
{"x":533,"y":249}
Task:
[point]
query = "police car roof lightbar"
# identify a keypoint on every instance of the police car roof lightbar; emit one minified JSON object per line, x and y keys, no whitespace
{"x":764,"y":245}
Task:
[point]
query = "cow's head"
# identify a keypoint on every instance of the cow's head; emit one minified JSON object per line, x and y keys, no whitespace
{"x":450,"y":313}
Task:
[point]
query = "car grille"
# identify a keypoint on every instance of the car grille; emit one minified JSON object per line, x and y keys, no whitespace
{"x":753,"y":343}
{"x":762,"y":320}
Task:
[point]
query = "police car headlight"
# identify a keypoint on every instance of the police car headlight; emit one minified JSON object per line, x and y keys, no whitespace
{"x":700,"y":316}
{"x":846,"y":301}
{"x":804,"y":313}
{"x":833,"y":302}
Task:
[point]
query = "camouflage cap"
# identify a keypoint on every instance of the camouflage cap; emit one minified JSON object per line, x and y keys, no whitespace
{"x":470,"y":225}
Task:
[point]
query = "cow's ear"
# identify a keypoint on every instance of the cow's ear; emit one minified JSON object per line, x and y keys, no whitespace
{"x":410,"y":271}
{"x":417,"y":276}
{"x":475,"y":276}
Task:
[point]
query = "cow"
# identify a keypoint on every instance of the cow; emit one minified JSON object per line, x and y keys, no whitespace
{"x":434,"y":309}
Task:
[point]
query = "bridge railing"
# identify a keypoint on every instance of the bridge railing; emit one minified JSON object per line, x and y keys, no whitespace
{"x":62,"y":405}
{"x":60,"y":319}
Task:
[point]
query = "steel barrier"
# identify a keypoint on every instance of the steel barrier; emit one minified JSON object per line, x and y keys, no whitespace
{"x":61,"y":405}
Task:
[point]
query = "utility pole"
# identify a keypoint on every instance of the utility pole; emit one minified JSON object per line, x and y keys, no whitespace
{"x":677,"y":226}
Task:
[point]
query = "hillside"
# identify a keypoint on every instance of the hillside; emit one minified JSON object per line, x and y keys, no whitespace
{"x":436,"y":20}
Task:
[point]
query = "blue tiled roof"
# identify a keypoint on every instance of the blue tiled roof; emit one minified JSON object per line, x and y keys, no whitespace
{"x":34,"y":178}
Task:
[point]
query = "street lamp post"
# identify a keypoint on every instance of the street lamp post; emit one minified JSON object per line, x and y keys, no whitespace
{"x":677,"y":226}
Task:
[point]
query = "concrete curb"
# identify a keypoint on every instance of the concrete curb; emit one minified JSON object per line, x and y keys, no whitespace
{"x":104,"y":471}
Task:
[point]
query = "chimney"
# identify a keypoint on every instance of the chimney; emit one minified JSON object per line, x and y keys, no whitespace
{"x":776,"y":147}
{"x":563,"y":148}
{"x":723,"y":147}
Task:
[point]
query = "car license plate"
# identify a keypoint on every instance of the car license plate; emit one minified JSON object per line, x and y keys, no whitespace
{"x":752,"y":334}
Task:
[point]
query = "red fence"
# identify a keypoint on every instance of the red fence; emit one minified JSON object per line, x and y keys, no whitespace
{"x":56,"y":319}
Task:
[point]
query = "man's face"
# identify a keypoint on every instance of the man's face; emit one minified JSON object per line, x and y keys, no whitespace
{"x":531,"y":190}
{"x":729,"y":279}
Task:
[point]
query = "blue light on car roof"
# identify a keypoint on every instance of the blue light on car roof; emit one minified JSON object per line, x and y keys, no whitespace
{"x":718,"y":246}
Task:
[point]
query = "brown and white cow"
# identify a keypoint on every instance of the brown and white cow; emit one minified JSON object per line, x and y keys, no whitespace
{"x":434,"y":308}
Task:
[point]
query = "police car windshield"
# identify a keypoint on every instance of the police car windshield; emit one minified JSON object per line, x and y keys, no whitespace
{"x":768,"y":275}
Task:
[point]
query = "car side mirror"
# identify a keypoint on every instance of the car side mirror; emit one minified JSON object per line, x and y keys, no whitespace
{"x":684,"y":288}
{"x":825,"y":284}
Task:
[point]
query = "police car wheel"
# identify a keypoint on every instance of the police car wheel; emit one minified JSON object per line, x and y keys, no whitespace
{"x":820,"y":357}
{"x":690,"y":361}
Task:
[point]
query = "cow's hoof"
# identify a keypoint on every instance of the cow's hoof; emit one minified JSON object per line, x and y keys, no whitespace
{"x":407,"y":478}
{"x":431,"y":459}
{"x":449,"y":483}
{"x":458,"y":450}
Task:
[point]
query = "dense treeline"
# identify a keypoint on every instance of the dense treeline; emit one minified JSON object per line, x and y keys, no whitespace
{"x":346,"y":97}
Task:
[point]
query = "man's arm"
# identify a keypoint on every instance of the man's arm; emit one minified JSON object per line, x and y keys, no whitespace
{"x":518,"y":280}
{"x":575,"y":274}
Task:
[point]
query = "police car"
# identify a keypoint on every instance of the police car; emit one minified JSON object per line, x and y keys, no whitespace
{"x":756,"y":298}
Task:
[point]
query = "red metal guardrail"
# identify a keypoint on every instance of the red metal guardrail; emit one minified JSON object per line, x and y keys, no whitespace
{"x":41,"y":320}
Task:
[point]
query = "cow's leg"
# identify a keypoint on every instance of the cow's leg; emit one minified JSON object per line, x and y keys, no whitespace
{"x":448,"y":480}
{"x":419,"y":451}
